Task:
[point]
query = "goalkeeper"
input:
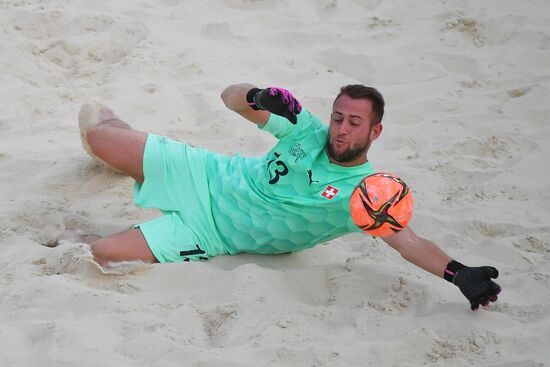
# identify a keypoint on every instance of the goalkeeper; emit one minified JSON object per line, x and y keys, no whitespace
{"x":293,"y":198}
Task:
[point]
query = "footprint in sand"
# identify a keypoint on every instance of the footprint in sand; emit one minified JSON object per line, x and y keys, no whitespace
{"x":376,"y":69}
{"x":467,"y":26}
{"x":71,"y":258}
{"x":398,"y":296}
{"x":477,"y":229}
{"x":523,"y":314}
{"x":76,"y":258}
{"x":72,"y":42}
{"x":539,"y":244}
{"x":217,"y":322}
{"x":492,"y":147}
{"x":461,"y":349}
{"x":43,"y":221}
{"x":355,"y":285}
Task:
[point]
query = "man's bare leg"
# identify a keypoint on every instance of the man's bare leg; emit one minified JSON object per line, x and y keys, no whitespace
{"x":128,"y":245}
{"x":113,"y":143}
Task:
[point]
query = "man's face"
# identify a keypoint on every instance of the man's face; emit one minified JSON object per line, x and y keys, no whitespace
{"x":351,"y":131}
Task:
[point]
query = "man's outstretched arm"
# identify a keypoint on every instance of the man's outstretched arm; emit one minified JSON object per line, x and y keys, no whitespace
{"x":474,"y":282}
{"x":419,"y":251}
{"x":234,"y":98}
{"x":255,"y":104}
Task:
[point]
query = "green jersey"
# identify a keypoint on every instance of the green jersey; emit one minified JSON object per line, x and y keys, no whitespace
{"x":291,"y":199}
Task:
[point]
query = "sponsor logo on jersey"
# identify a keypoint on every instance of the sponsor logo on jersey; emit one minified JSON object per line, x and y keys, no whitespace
{"x":330,"y":192}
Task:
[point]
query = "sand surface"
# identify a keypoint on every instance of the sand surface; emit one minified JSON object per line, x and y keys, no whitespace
{"x":467,"y":125}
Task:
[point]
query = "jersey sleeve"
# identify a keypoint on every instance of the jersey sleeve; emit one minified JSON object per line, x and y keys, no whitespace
{"x":280,"y":127}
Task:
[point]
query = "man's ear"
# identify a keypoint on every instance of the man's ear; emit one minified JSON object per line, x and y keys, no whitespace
{"x":376,"y":131}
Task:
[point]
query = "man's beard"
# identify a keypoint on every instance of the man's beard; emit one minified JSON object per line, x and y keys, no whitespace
{"x":349,"y":154}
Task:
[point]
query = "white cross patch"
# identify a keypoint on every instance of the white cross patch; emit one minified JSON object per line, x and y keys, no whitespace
{"x":330,"y":192}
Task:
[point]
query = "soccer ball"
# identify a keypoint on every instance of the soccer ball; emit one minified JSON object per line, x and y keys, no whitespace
{"x":381,"y":205}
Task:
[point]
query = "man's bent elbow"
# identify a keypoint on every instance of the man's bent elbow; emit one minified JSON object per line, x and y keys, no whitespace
{"x":225,"y":97}
{"x":234,"y":96}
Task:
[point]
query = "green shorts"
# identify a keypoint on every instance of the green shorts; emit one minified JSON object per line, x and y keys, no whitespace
{"x":176,"y":182}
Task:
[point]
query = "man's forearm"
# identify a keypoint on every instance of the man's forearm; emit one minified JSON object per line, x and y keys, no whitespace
{"x":426,"y":255}
{"x":419,"y":251}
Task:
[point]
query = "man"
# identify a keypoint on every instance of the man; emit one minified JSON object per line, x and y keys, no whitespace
{"x":293,"y":198}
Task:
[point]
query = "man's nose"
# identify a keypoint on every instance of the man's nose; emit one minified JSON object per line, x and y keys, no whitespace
{"x":345,"y":127}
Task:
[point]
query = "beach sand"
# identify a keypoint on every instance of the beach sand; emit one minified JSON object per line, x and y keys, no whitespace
{"x":467,"y":125}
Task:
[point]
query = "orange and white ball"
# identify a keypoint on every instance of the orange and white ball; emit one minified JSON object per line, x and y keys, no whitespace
{"x":381,"y":205}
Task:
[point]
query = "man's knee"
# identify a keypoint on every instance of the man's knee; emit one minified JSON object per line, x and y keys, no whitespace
{"x":119,"y":148}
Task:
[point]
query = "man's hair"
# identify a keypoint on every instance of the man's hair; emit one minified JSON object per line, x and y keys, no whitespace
{"x":359,"y":91}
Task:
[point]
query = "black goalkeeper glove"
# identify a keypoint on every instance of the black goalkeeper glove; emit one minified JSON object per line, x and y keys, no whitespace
{"x":275,"y":100}
{"x":474,"y":282}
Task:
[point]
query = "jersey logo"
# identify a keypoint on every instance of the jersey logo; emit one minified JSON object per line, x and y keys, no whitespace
{"x":311,"y":180}
{"x":297,"y":151}
{"x":330,"y":192}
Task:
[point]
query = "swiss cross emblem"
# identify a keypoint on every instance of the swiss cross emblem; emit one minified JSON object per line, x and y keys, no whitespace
{"x":329,"y":192}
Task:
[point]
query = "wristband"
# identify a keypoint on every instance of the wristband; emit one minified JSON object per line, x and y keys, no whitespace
{"x":452,"y":268}
{"x":250,"y":98}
